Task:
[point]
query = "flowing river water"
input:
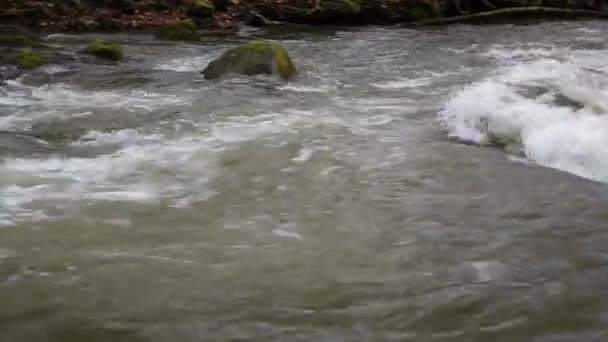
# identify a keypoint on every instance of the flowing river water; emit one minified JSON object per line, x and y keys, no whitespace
{"x":410,"y":185}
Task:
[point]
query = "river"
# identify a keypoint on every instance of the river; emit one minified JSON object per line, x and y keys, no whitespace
{"x":444,"y":184}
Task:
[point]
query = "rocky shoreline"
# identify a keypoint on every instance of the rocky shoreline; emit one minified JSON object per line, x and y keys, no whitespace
{"x":137,"y":15}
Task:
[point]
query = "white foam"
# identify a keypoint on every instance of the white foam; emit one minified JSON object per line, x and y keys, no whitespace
{"x":149,"y":168}
{"x":125,"y":136}
{"x":245,"y":128}
{"x":55,"y":69}
{"x":286,"y":234}
{"x":403,"y":83}
{"x":143,"y":172}
{"x":298,"y":88}
{"x":424,"y":78}
{"x":188,"y":64}
{"x":509,"y":54}
{"x":62,"y":95}
{"x":559,"y":135}
{"x":62,"y":100}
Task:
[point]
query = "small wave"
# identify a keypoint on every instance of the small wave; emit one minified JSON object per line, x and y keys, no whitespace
{"x":147,"y":168}
{"x":54,"y":69}
{"x":123,"y":137}
{"x":145,"y":171}
{"x":557,"y":111}
{"x":425,"y":79}
{"x":404,"y":83}
{"x":307,"y":89}
{"x":60,"y":100}
{"x":508,"y":54}
{"x":64,"y":96}
{"x":188,"y":64}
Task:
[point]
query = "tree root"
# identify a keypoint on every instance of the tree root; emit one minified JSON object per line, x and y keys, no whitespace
{"x":513,"y":13}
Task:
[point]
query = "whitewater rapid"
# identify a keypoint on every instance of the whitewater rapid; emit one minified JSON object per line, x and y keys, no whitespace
{"x":552,"y":107}
{"x":162,"y":139}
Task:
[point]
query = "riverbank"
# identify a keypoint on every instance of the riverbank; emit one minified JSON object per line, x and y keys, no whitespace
{"x":137,"y":15}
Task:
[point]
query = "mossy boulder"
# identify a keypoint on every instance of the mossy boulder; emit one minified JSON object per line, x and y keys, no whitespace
{"x":104,"y":50}
{"x":28,"y":59}
{"x":201,"y":8}
{"x":184,"y":30}
{"x":254,"y":58}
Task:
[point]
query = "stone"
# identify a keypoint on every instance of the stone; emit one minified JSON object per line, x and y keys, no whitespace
{"x":28,"y":59}
{"x":184,"y":30}
{"x":201,"y":8}
{"x":254,"y":58}
{"x":104,"y":50}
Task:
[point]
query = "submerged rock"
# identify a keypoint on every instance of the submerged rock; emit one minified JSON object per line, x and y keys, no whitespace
{"x":16,"y":53}
{"x":184,"y":30}
{"x":28,"y":59}
{"x":254,"y":58}
{"x":104,"y":50}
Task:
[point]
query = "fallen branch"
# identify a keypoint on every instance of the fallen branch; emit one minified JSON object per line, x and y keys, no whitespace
{"x":530,"y":12}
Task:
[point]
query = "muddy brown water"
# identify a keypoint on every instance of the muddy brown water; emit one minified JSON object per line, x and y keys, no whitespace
{"x":359,"y":202}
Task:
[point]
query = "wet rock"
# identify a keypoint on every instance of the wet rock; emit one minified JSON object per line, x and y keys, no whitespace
{"x":104,"y":50}
{"x":184,"y":30}
{"x":254,"y":58}
{"x":15,"y":44}
{"x":28,"y":59}
{"x":201,"y":8}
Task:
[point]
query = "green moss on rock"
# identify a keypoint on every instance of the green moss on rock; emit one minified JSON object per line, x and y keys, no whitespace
{"x":254,"y":58}
{"x":104,"y":50}
{"x":28,"y":59}
{"x":184,"y":30}
{"x":201,"y":8}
